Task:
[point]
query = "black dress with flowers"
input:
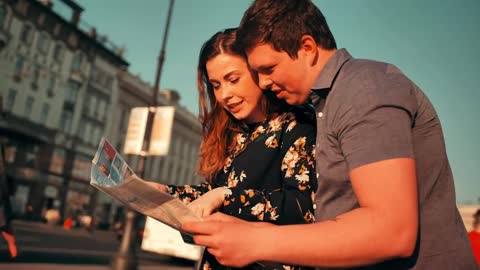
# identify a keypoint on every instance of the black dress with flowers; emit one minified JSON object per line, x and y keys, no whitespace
{"x":271,"y":175}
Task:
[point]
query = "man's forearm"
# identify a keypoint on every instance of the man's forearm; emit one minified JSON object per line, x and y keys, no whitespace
{"x":359,"y":237}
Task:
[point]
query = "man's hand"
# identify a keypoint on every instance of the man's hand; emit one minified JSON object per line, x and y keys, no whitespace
{"x":209,"y":202}
{"x":221,"y":217}
{"x":232,"y":243}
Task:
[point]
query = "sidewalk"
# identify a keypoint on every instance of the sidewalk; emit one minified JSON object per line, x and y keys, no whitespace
{"x":52,"y":247}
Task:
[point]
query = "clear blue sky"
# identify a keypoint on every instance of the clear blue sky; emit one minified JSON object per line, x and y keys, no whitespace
{"x":435,"y":42}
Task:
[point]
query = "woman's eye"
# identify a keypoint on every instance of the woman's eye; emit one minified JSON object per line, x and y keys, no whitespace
{"x":235,"y":80}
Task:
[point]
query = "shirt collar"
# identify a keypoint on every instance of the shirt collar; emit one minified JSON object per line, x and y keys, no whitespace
{"x":331,"y":68}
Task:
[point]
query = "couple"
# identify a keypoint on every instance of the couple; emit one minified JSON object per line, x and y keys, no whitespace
{"x":385,"y":197}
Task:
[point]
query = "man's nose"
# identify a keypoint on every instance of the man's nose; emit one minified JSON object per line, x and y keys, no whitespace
{"x":264,"y":82}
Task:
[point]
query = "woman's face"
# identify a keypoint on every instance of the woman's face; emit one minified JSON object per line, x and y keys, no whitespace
{"x":234,"y":87}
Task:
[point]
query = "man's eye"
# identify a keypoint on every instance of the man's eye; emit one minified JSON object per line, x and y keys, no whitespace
{"x":235,"y":80}
{"x":266,"y":70}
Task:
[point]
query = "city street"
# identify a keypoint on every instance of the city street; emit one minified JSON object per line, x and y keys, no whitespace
{"x":46,"y":247}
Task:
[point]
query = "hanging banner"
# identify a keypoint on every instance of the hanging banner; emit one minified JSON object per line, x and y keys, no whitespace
{"x":136,"y":131}
{"x":161,"y":130}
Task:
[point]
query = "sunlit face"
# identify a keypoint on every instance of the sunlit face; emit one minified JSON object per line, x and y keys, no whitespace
{"x":290,"y":79}
{"x":235,"y":88}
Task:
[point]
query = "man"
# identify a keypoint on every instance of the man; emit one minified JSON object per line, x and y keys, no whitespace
{"x":386,"y":196}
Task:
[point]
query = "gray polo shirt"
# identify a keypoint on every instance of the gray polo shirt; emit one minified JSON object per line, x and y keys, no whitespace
{"x":373,"y":112}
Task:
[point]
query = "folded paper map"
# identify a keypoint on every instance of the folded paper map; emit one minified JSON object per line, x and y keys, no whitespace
{"x":112,"y":175}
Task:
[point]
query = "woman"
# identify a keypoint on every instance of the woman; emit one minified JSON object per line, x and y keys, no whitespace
{"x":256,"y":153}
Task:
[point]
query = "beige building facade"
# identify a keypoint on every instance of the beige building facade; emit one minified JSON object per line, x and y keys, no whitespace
{"x":63,"y":87}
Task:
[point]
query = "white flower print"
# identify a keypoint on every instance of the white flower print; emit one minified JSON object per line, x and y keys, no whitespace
{"x":258,"y":209}
{"x":276,"y":124}
{"x":257,"y":132}
{"x":228,"y":163}
{"x":303,"y":178}
{"x":233,"y":179}
{"x":206,"y":266}
{"x":271,"y":210}
{"x":241,"y":138}
{"x":300,"y":142}
{"x":272,"y":142}
{"x":289,"y":161}
{"x":291,"y":126}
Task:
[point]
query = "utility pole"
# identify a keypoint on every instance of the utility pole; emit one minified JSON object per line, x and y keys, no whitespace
{"x":126,"y":258}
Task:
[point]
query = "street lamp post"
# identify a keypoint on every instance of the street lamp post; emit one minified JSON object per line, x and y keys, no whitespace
{"x":126,"y":258}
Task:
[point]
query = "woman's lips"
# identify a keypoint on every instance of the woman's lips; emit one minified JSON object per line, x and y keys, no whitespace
{"x":234,"y":107}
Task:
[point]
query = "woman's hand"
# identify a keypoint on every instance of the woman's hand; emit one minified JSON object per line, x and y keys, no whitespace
{"x":209,"y":202}
{"x":158,"y":186}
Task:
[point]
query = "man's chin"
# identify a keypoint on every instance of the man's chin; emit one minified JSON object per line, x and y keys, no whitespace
{"x":295,"y":100}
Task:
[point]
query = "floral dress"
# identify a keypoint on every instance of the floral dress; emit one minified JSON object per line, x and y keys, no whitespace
{"x":271,"y":174}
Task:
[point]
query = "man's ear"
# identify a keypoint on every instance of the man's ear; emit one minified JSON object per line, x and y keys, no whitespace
{"x":308,"y":46}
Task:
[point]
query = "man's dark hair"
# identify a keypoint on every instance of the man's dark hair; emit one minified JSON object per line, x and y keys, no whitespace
{"x":476,"y":218}
{"x":282,"y":23}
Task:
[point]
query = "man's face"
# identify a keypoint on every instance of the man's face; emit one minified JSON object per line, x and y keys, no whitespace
{"x":288,"y":78}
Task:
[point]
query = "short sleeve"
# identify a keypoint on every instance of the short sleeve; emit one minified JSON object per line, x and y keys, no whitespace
{"x":375,"y":123}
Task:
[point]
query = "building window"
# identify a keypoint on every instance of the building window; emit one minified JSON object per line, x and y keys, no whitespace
{"x":88,"y":132}
{"x":57,"y":29}
{"x":12,"y":94}
{"x":41,"y":19}
{"x":57,"y":53}
{"x":17,"y":73}
{"x":42,"y":43}
{"x":66,"y":120}
{"x":22,"y":7}
{"x":93,"y":73}
{"x":57,"y":161}
{"x":81,"y":167}
{"x":31,"y":154}
{"x":29,"y":106}
{"x":109,"y":82}
{"x":77,"y":62}
{"x":93,"y":101}
{"x":51,"y":85}
{"x":105,"y":110}
{"x":101,"y":109}
{"x":36,"y":76}
{"x":44,"y":113}
{"x":97,"y":134}
{"x":26,"y":34}
{"x":72,"y":40}
{"x":72,"y":91}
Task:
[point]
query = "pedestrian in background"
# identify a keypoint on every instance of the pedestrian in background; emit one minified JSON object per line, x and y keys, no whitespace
{"x":474,"y":236}
{"x":6,"y":215}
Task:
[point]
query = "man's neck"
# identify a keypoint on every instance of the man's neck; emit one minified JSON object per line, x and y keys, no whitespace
{"x":322,"y":59}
